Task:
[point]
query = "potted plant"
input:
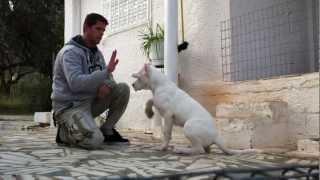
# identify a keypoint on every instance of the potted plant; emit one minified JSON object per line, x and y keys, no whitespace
{"x":152,"y":44}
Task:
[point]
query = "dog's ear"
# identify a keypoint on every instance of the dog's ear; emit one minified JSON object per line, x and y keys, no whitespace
{"x":146,"y":69}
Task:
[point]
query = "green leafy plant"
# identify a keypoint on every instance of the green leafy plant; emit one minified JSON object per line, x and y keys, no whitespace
{"x":151,"y":36}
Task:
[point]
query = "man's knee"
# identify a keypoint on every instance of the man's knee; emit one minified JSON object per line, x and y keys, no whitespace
{"x":123,"y":91}
{"x":93,"y":142}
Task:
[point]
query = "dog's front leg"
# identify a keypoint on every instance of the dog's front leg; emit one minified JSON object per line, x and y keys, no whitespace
{"x":167,"y":130}
{"x":148,"y":109}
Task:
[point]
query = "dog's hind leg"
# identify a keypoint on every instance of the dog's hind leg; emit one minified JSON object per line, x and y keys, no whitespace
{"x":195,"y":149}
{"x":197,"y":143}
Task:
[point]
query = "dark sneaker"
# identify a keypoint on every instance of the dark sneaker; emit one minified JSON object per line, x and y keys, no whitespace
{"x":115,"y":138}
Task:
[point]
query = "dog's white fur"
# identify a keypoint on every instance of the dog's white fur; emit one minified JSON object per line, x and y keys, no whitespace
{"x":178,"y":108}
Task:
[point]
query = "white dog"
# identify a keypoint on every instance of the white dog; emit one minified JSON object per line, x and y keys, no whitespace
{"x":178,"y":108}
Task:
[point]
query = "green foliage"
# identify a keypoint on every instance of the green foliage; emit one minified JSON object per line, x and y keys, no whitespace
{"x":151,"y":36}
{"x":30,"y":94}
{"x":31,"y":32}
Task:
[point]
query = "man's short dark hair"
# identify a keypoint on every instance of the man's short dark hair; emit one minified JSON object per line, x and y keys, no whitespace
{"x":93,"y":18}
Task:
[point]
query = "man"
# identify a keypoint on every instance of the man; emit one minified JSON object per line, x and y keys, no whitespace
{"x":83,"y":88}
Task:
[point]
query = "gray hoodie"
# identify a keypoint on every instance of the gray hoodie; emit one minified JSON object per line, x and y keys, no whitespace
{"x":77,"y":74}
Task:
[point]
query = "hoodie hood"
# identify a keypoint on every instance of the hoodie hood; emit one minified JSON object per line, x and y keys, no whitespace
{"x":79,"y":42}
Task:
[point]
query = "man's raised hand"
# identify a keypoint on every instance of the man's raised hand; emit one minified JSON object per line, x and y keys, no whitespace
{"x":113,"y":62}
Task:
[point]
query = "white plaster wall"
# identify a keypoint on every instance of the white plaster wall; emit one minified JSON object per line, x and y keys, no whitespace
{"x":131,"y":59}
{"x":157,"y":10}
{"x":201,"y":61}
{"x":89,"y":6}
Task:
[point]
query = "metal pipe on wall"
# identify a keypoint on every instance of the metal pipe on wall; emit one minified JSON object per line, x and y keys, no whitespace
{"x":171,"y":39}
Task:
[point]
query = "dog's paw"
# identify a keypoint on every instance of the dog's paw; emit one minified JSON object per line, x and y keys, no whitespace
{"x":149,"y":113}
{"x":180,"y":150}
{"x":148,"y":109}
{"x":162,"y":148}
{"x":188,"y":151}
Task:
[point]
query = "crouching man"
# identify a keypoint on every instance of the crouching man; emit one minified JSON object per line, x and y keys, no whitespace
{"x":83,"y":88}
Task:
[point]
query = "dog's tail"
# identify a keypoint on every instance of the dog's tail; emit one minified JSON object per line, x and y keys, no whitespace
{"x":221,"y":145}
{"x":148,"y":110}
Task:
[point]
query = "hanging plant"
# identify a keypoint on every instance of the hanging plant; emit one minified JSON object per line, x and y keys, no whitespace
{"x":150,"y":37}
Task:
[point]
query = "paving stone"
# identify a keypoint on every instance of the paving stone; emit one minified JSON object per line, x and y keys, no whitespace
{"x":198,"y":166}
{"x":173,"y":157}
{"x":220,"y":164}
{"x":132,"y":175}
{"x":35,"y":153}
{"x":83,"y":177}
{"x":76,"y":174}
{"x":199,"y":178}
{"x":7,"y":177}
{"x":305,"y":162}
{"x":44,"y":178}
{"x":64,"y":178}
{"x":88,"y":171}
{"x":292,"y":161}
{"x":101,"y":152}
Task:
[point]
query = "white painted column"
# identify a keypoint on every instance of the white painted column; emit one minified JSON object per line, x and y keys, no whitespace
{"x":171,"y":39}
{"x":72,"y":16}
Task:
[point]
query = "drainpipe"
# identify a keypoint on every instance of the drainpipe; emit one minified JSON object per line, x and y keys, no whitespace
{"x":72,"y":16}
{"x":318,"y":27}
{"x":171,"y":39}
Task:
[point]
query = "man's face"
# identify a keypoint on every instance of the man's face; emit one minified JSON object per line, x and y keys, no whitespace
{"x":95,"y":32}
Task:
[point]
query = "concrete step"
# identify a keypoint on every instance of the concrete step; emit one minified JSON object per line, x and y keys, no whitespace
{"x":308,"y":145}
{"x":306,"y":148}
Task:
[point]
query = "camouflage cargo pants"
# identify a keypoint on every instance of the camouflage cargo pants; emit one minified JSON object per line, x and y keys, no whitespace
{"x":77,"y":125}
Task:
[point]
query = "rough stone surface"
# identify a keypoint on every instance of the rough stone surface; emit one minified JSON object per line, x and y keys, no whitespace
{"x":309,"y":146}
{"x":253,"y":124}
{"x":33,"y":154}
{"x":236,"y":133}
{"x":300,"y":93}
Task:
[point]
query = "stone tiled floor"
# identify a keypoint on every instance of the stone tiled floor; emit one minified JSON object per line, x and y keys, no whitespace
{"x":34,"y":153}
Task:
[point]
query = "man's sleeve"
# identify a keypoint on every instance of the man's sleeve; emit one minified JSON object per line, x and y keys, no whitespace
{"x":110,"y":82}
{"x":77,"y":81}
